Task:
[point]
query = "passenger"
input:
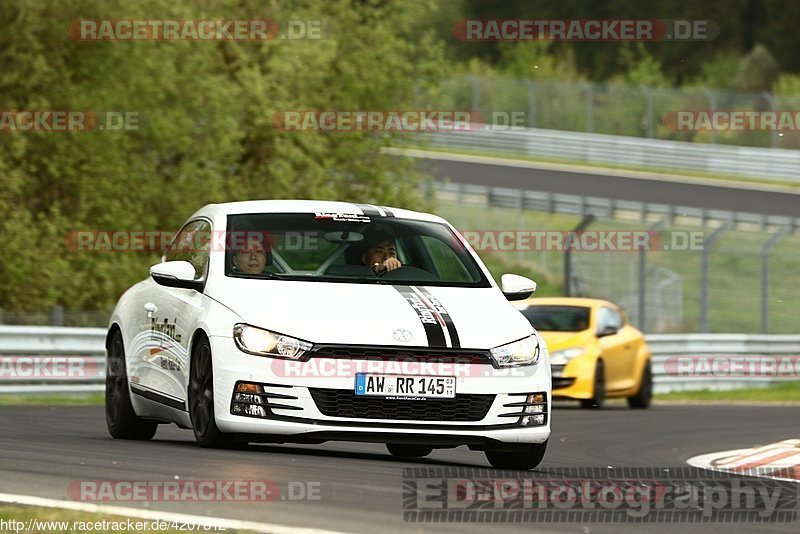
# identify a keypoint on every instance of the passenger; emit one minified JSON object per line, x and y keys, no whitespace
{"x":251,"y":260}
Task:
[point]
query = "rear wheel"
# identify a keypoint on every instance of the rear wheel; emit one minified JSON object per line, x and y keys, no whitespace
{"x":405,"y":450}
{"x":521,"y":457}
{"x":599,"y":388}
{"x":201,"y":400}
{"x":643,"y":398}
{"x":122,"y":421}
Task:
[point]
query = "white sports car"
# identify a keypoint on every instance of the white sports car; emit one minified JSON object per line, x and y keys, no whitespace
{"x":308,"y":321}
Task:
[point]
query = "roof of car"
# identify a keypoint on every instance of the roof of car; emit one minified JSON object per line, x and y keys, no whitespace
{"x":565,"y":301}
{"x":311,"y":206}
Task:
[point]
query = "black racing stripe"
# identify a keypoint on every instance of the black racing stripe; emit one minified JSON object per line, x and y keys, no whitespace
{"x":388,"y":211}
{"x":433,"y":331}
{"x":369,"y":210}
{"x":451,"y":327}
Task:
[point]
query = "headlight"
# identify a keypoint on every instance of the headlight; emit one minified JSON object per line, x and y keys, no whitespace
{"x":561,"y":357}
{"x":262,"y":342}
{"x":522,"y":352}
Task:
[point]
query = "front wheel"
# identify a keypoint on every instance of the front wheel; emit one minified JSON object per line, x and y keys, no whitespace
{"x":644,"y":396}
{"x":122,"y":421}
{"x":520,"y":457}
{"x":599,"y":388}
{"x":201,"y":399}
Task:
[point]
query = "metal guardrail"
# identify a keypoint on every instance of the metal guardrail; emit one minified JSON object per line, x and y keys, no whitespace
{"x":752,"y":162}
{"x":609,"y":208}
{"x":72,"y":360}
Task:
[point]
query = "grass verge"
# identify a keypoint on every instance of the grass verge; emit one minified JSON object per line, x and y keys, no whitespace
{"x":787,"y":392}
{"x":81,"y":399}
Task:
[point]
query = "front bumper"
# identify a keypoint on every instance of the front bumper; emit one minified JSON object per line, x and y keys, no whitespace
{"x":314,"y":401}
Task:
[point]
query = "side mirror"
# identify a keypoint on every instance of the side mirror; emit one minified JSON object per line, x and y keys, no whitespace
{"x":608,"y":331}
{"x":516,"y":287}
{"x":176,"y":274}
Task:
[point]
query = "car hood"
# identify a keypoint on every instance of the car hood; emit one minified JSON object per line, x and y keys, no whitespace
{"x":376,"y":314}
{"x":565,"y":340}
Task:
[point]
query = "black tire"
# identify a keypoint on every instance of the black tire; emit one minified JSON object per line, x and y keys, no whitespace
{"x":122,"y":421}
{"x":406,"y":450}
{"x":201,"y":400}
{"x":522,"y":457}
{"x":598,"y":390}
{"x":644,"y":396}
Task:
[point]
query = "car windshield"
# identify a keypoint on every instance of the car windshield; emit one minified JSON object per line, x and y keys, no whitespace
{"x":349,"y":248}
{"x":557,"y":318}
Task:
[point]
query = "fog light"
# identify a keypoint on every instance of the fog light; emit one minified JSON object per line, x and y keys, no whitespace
{"x":246,"y":400}
{"x":534,"y":409}
{"x":530,"y":420}
{"x":536,"y":397}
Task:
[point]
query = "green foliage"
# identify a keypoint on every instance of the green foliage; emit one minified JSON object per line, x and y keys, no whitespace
{"x":206,"y":127}
{"x":757,"y":71}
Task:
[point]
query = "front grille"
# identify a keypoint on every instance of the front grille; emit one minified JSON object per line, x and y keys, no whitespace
{"x":345,"y":403}
{"x":422,"y":355}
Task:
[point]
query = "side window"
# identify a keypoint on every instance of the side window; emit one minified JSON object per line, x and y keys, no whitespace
{"x":447,"y":263}
{"x":192,"y":244}
{"x":607,"y":317}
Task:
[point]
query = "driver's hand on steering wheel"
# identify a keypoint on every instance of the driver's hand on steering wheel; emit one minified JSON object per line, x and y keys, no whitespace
{"x":389,"y":264}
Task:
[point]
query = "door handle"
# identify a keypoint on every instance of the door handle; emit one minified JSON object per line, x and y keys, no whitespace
{"x":150,"y":308}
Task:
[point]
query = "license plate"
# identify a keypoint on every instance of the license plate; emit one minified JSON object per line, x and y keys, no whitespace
{"x":405,"y":386}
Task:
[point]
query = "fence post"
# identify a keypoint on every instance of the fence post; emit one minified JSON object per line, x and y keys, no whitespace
{"x":1,"y":315}
{"x":707,"y":245}
{"x":648,"y":93}
{"x":589,"y":107}
{"x":57,"y":316}
{"x":586,"y":221}
{"x":712,"y":104}
{"x":765,"y":254}
{"x":773,"y":135}
{"x":643,"y":275}
{"x":531,"y":85}
{"x":476,"y":93}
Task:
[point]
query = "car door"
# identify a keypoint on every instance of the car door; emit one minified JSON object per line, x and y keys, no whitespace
{"x":614,"y":347}
{"x":171,"y":315}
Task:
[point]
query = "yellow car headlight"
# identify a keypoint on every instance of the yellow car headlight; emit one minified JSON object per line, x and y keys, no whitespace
{"x":562,"y":356}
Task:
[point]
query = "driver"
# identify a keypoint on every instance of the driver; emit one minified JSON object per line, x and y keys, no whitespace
{"x":380,"y":253}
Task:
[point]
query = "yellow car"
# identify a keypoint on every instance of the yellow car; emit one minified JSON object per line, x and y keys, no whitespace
{"x":594,"y":353}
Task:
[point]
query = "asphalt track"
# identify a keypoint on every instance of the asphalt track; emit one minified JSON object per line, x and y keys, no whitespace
{"x":43,"y":449}
{"x":719,"y":195}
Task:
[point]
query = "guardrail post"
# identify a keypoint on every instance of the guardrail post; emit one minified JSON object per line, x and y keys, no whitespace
{"x":531,"y":85}
{"x":765,"y":254}
{"x":57,"y":316}
{"x":587,"y":220}
{"x":707,"y":245}
{"x":643,"y":275}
